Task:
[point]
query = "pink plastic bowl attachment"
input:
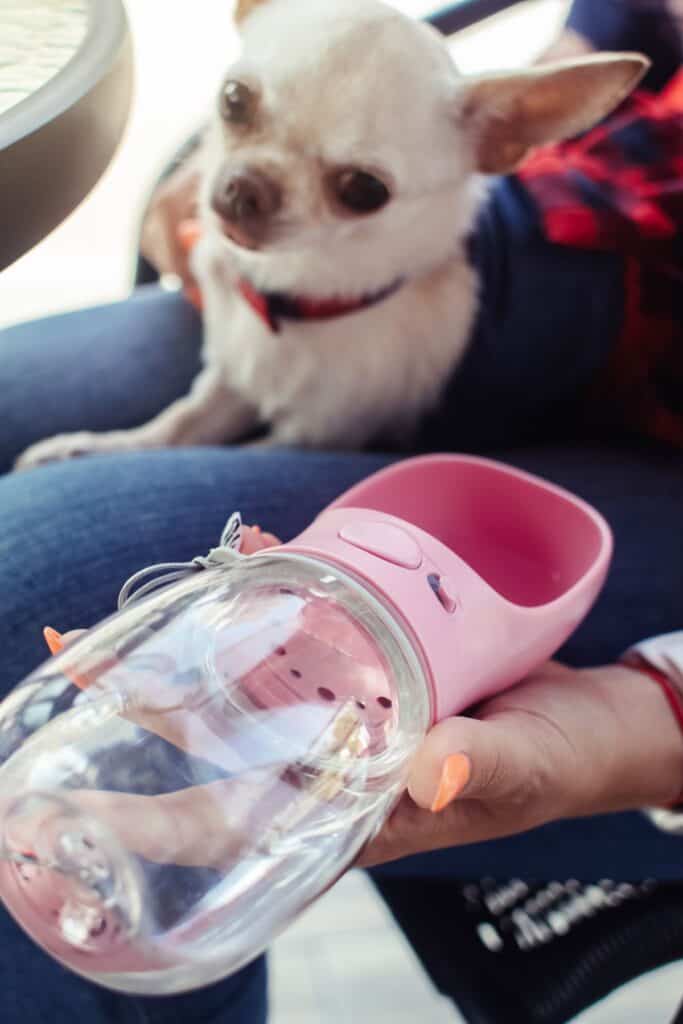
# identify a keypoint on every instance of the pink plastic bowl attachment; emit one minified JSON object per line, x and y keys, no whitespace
{"x":490,"y":569}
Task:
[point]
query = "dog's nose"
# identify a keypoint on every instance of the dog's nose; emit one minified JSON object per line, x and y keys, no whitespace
{"x":247,"y":198}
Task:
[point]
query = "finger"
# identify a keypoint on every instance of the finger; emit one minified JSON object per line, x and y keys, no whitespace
{"x":270,"y":540}
{"x":181,"y":267}
{"x":56,"y":641}
{"x":489,"y":759}
{"x":157,"y":241}
{"x":161,"y":245}
{"x":193,"y":294}
{"x":53,"y":639}
{"x":172,"y":726}
{"x":189,"y":233}
{"x":410,"y":830}
{"x":202,"y":826}
{"x":73,"y":634}
{"x":253,"y":540}
{"x":167,"y":236}
{"x":470,"y":759}
{"x":198,"y":730}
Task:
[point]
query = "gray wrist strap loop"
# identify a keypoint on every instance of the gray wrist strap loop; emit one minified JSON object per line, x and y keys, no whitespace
{"x":156,"y":577}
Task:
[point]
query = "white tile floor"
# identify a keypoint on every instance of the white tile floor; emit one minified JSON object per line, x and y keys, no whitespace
{"x":343,"y":962}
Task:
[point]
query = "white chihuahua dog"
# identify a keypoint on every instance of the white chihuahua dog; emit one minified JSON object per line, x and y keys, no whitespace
{"x":343,"y":171}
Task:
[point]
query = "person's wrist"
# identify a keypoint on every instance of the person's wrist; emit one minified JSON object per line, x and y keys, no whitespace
{"x":638,"y":742}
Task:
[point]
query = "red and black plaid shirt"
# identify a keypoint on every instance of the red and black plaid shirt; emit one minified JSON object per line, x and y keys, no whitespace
{"x":620,"y":189}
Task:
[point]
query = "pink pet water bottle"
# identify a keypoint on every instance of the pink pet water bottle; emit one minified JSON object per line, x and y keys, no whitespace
{"x":179,"y":784}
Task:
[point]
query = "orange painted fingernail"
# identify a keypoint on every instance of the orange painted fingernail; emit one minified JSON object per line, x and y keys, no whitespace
{"x":53,"y":639}
{"x":189,"y":233}
{"x":256,"y":528}
{"x":456,"y":773}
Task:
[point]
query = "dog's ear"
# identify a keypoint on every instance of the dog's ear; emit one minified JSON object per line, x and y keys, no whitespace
{"x":245,"y":7}
{"x":511,"y":113}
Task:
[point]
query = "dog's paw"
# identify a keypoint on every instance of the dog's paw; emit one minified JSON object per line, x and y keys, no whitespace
{"x":67,"y":446}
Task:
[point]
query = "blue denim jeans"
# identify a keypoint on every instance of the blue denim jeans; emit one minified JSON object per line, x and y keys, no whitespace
{"x":71,"y":533}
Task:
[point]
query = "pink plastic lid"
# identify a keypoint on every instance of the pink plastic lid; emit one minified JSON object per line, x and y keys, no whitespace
{"x":490,"y":569}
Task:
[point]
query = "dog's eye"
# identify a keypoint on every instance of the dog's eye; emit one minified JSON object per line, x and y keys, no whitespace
{"x":360,"y":191}
{"x":237,"y":102}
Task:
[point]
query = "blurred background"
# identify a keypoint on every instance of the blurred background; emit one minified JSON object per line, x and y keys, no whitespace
{"x":344,"y":962}
{"x":182,"y":51}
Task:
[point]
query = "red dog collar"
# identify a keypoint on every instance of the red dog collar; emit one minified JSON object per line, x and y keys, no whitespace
{"x":272,"y":307}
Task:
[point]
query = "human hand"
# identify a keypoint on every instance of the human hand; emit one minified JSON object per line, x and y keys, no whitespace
{"x":170,"y":227}
{"x":563,"y":743}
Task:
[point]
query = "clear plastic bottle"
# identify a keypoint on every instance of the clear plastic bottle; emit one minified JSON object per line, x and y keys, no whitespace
{"x":182,"y":781}
{"x":237,"y":737}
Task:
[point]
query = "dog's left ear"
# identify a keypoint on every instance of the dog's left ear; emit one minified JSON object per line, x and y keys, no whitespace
{"x":244,"y":8}
{"x":511,"y":113}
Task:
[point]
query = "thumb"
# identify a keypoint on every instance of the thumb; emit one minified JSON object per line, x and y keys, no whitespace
{"x":465,"y":757}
